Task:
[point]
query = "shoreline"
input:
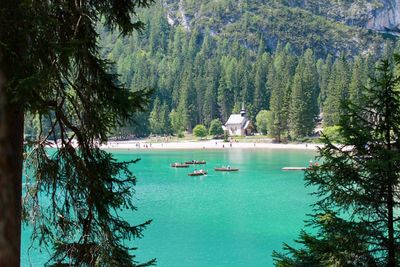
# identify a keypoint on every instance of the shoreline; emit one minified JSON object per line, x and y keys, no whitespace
{"x":207,"y":144}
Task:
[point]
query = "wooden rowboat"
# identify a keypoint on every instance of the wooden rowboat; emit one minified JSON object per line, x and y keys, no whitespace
{"x":295,"y":168}
{"x":224,"y":169}
{"x":198,"y":173}
{"x":179,"y":165}
{"x":195,"y":162}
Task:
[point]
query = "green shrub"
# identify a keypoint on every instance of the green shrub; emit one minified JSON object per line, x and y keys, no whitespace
{"x":333,"y":133}
{"x":216,"y":128}
{"x":264,"y":121}
{"x":200,"y":131}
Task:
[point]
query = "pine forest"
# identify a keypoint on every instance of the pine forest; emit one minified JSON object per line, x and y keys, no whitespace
{"x":196,"y":76}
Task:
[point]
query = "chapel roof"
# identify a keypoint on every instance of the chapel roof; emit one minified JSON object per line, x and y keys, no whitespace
{"x":236,"y":119}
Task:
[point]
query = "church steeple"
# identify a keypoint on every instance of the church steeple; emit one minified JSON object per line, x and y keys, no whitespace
{"x":243,"y":111}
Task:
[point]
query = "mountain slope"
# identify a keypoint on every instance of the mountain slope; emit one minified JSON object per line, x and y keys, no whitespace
{"x":326,"y":26}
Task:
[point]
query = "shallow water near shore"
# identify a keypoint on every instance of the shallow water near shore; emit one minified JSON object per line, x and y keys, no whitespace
{"x":222,"y":219}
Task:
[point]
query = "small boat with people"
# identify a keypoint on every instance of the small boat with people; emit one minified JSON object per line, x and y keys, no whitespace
{"x":197,"y":173}
{"x":196,"y":162}
{"x":226,"y":169}
{"x":179,"y":165}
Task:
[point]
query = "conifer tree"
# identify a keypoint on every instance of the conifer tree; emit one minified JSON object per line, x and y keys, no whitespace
{"x":324,"y":70}
{"x":200,"y":84}
{"x":223,"y":99}
{"x":187,"y":106}
{"x":182,"y":113}
{"x":207,"y":45}
{"x":246,"y":84}
{"x":226,"y":87}
{"x":175,"y":122}
{"x":194,"y":44}
{"x":154,"y":119}
{"x":357,"y":81}
{"x":279,"y":80}
{"x":337,"y":91}
{"x":164,"y":119}
{"x":210,"y":108}
{"x":261,"y":90}
{"x":303,"y":105}
{"x":277,"y":106}
{"x":50,"y":66}
{"x":159,"y":31}
{"x":357,"y":186}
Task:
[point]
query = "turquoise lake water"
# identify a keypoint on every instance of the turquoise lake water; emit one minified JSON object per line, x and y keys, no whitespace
{"x":223,"y":219}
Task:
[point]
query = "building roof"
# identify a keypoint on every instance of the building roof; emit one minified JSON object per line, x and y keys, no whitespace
{"x":236,"y":119}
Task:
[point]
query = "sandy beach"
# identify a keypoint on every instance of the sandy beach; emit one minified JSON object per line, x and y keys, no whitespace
{"x":207,"y":144}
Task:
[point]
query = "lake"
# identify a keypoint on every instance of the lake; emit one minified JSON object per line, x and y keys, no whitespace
{"x":222,"y":219}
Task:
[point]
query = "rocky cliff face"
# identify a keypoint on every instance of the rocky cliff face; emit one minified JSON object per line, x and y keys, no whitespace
{"x":386,"y":18}
{"x":377,"y":15}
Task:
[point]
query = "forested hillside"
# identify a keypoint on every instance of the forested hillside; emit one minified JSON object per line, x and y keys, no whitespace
{"x":326,"y":26}
{"x":203,"y":59}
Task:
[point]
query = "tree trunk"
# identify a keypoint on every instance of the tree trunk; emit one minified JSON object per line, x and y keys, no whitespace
{"x":390,"y":207}
{"x":11,"y":149}
{"x":391,"y":245}
{"x":389,"y":123}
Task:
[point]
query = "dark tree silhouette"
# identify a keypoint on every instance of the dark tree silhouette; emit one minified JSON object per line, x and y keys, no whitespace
{"x":50,"y":67}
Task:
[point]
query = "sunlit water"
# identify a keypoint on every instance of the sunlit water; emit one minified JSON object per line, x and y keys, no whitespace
{"x":222,"y":219}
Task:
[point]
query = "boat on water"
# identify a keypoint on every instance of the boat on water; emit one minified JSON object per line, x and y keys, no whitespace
{"x":226,"y":169}
{"x":198,"y":173}
{"x":179,"y":165}
{"x":295,"y":168}
{"x":310,"y":167}
{"x":196,"y":162}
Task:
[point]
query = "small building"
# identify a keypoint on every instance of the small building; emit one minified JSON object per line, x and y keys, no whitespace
{"x":238,"y":124}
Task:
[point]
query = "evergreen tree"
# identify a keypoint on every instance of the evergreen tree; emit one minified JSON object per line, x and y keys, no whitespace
{"x":226,"y":87}
{"x":210,"y":108}
{"x":207,"y":46}
{"x":187,"y":106}
{"x":154,"y":119}
{"x":245,"y":82}
{"x":324,"y":70}
{"x":159,"y":31}
{"x":164,"y":119}
{"x":261,"y":90}
{"x":279,"y":80}
{"x":50,"y":66}
{"x":357,"y":186}
{"x":165,"y":82}
{"x":303,"y":105}
{"x":276,"y":105}
{"x":337,"y":91}
{"x":178,"y":120}
{"x":200,"y":85}
{"x":194,"y":44}
{"x":357,"y":81}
